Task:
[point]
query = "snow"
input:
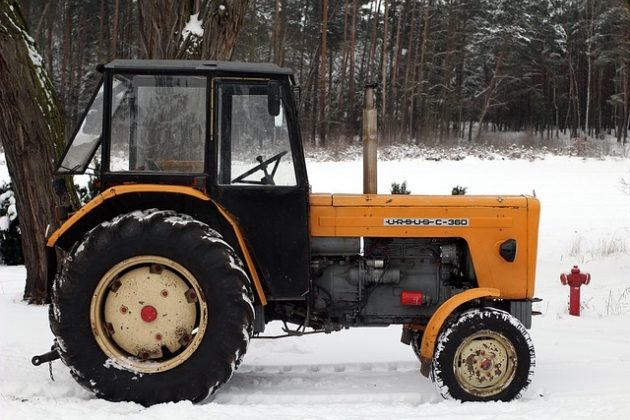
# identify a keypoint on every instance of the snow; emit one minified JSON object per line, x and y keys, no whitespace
{"x":194,"y":26}
{"x":4,"y":223}
{"x":582,"y":364}
{"x":11,"y":211}
{"x":4,"y":171}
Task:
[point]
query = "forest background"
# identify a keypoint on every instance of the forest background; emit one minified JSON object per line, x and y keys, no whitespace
{"x":446,"y":69}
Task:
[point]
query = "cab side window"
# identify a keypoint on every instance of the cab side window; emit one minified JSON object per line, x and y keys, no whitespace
{"x":158,"y":123}
{"x":254,"y":146}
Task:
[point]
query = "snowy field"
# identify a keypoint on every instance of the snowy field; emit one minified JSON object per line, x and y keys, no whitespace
{"x":583,"y":364}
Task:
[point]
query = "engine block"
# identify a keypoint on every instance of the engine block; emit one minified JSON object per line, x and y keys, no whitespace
{"x":362,"y":283}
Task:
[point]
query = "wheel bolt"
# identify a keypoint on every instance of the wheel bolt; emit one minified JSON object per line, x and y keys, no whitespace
{"x":184,"y":340}
{"x":158,"y":337}
{"x":191,"y":296}
{"x":115,"y":285}
{"x":123,"y":309}
{"x":164,"y":293}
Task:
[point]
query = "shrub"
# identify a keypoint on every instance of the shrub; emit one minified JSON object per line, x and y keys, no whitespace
{"x":90,"y":190}
{"x":10,"y":235}
{"x":400,"y":188}
{"x":459,"y":190}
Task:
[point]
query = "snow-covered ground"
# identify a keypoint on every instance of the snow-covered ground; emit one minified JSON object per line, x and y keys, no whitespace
{"x":583,"y":364}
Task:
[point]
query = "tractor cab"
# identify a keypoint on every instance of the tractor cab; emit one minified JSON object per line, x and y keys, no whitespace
{"x":227,"y":129}
{"x":181,"y":120}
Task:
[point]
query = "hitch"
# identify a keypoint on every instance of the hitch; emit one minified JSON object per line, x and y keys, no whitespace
{"x":53,"y":354}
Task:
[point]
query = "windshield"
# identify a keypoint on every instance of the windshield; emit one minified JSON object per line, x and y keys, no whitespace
{"x":86,"y":139}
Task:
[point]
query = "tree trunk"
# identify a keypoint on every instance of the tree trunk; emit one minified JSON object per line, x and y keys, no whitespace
{"x":419,"y":86}
{"x":489,"y":92}
{"x":113,"y":49}
{"x":590,"y":6}
{"x":279,"y":31}
{"x":351,"y":83}
{"x":395,"y":66}
{"x":221,"y":28}
{"x":322,"y":74}
{"x":275,"y":32}
{"x":384,"y":110}
{"x":406,"y":108}
{"x":344,"y":63}
{"x":101,"y":31}
{"x":445,"y":100}
{"x":31,"y":131}
{"x":161,"y":25}
{"x":623,"y":126}
{"x":371,"y":73}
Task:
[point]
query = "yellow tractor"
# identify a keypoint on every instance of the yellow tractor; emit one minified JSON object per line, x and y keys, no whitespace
{"x":205,"y":230}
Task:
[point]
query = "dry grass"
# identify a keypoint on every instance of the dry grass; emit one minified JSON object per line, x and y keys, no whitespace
{"x":582,"y":248}
{"x":618,"y":302}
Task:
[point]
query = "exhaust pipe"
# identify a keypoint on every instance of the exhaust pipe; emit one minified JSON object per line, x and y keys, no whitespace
{"x":370,"y":141}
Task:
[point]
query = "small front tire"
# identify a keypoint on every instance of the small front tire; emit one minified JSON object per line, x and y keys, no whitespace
{"x":484,"y":355}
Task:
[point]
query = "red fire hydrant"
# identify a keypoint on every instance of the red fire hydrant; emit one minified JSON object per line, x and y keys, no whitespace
{"x":575,"y":280}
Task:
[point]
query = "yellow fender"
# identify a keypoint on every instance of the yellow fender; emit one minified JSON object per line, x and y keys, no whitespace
{"x":173,"y":189}
{"x":429,"y":337}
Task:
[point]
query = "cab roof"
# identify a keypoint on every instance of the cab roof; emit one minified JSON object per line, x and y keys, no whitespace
{"x":198,"y":66}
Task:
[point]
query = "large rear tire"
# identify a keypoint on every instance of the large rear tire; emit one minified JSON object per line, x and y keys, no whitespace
{"x":151,"y":307}
{"x":484,"y":355}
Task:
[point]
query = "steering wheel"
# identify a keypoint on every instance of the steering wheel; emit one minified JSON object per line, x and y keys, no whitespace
{"x":267,"y":179}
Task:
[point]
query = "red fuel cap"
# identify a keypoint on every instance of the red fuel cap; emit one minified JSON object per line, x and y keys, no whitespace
{"x":148,"y":313}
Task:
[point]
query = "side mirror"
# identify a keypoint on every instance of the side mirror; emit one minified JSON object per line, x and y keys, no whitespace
{"x":273,"y":97}
{"x":59,"y":186}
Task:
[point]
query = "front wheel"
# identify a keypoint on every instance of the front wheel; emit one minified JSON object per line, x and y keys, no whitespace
{"x":484,"y":355}
{"x":151,"y":307}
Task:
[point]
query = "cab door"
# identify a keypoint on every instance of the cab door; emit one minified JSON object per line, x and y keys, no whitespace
{"x":260,"y":178}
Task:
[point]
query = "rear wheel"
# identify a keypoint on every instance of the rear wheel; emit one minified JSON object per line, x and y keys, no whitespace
{"x":484,"y":355}
{"x":152,"y":307}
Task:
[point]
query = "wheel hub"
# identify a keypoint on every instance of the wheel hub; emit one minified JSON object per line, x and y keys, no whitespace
{"x":485,"y":363}
{"x":147,"y":308}
{"x":148,"y":313}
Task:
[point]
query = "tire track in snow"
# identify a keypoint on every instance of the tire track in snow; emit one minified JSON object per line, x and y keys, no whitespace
{"x":336,"y":383}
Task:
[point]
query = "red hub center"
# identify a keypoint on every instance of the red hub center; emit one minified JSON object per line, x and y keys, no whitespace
{"x":148,"y":313}
{"x":486,"y":364}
